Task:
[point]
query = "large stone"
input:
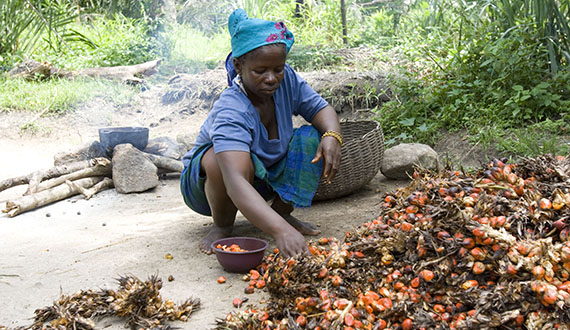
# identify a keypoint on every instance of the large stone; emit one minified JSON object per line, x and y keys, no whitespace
{"x":132,"y":170}
{"x":187,"y":140}
{"x":399,"y":161}
{"x":86,"y":151}
{"x":166,"y":147}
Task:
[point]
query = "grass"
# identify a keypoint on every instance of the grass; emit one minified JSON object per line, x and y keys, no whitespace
{"x":57,"y":96}
{"x":547,"y":137}
{"x":193,"y":51}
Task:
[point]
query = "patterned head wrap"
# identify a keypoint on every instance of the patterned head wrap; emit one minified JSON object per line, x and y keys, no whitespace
{"x":250,"y":33}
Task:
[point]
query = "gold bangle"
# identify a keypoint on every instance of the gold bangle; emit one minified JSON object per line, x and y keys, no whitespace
{"x":334,"y":134}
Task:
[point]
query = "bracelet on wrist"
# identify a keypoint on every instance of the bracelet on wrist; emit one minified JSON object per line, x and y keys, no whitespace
{"x":335,"y":135}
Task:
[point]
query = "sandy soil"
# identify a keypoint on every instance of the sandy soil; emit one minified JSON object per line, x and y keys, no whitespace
{"x":81,"y":244}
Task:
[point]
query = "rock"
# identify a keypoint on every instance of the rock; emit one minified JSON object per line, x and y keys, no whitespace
{"x":399,"y":161}
{"x":166,"y":147}
{"x":87,"y":151}
{"x":187,"y":140}
{"x":132,"y":170}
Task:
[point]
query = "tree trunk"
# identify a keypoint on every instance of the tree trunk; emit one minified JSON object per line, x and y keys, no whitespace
{"x":343,"y":19}
{"x":170,"y":11}
{"x":299,"y":4}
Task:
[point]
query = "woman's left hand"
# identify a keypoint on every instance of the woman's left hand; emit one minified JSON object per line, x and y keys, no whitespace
{"x":329,"y":148}
{"x":329,"y":151}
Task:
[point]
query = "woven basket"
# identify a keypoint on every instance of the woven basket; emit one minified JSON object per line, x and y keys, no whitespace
{"x":361,"y":158}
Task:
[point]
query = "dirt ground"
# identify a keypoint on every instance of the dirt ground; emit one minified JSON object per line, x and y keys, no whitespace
{"x":80,"y":244}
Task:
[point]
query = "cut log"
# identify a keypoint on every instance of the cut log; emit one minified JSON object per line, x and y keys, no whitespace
{"x":89,"y":192}
{"x":31,"y":70}
{"x":34,"y":178}
{"x":166,"y":163}
{"x":126,"y":73}
{"x":30,"y":202}
{"x":102,"y":167}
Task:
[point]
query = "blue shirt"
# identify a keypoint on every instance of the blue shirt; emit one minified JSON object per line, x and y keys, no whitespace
{"x":234,"y":124}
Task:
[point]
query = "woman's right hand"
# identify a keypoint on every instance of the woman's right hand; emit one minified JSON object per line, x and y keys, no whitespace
{"x":291,"y":243}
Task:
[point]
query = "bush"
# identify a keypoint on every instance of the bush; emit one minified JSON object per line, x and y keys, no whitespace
{"x":105,"y":42}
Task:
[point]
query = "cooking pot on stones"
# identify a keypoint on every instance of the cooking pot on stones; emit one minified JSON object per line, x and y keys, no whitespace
{"x":112,"y":136}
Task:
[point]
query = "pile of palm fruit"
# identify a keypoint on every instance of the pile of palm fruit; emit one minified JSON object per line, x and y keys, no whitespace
{"x":453,"y":250}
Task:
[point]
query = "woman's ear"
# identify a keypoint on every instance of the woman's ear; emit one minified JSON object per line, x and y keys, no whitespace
{"x":237,"y":65}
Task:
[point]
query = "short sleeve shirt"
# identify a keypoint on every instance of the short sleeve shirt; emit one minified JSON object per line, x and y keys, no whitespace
{"x":234,"y":124}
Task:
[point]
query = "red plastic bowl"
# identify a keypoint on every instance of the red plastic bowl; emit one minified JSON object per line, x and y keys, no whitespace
{"x":240,"y":262}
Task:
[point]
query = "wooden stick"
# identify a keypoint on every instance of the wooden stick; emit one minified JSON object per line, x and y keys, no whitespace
{"x":45,"y":174}
{"x":30,"y":202}
{"x":124,"y":73}
{"x":166,"y":163}
{"x":127,"y":73}
{"x":88,"y":193}
{"x":102,"y":167}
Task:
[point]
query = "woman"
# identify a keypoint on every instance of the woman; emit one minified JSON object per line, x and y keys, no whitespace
{"x":247,"y":151}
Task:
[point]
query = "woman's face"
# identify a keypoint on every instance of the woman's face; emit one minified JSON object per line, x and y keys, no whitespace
{"x":262,"y":70}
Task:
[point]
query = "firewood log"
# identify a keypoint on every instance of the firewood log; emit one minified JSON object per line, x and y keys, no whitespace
{"x":45,"y":197}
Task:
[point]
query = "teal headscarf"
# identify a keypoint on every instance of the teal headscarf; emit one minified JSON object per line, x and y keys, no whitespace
{"x":250,"y":33}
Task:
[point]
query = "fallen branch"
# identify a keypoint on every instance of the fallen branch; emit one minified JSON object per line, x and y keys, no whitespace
{"x":166,"y":163}
{"x":34,"y":178}
{"x":127,"y":73}
{"x":101,"y":167}
{"x":30,"y":202}
{"x":89,"y":192}
{"x":132,"y":74}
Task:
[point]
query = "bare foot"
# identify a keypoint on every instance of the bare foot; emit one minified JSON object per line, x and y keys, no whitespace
{"x":215,"y":233}
{"x":304,"y":228}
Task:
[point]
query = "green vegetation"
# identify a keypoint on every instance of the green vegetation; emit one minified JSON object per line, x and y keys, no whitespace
{"x":58,"y":95}
{"x":497,"y":70}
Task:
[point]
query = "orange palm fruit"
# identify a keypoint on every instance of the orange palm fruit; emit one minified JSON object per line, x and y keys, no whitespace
{"x":336,"y":280}
{"x":301,"y":320}
{"x":438,"y":308}
{"x":349,"y":319}
{"x":469,"y":284}
{"x":538,"y":272}
{"x":415,"y":282}
{"x":478,"y":268}
{"x":427,"y":275}
{"x":550,"y":295}
{"x":478,"y":253}
{"x":545,"y":203}
{"x":407,"y":324}
{"x":253,"y":274}
{"x":237,"y":302}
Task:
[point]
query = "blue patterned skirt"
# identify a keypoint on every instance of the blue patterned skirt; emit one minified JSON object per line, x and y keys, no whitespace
{"x":294,"y":178}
